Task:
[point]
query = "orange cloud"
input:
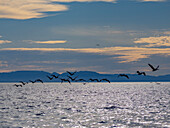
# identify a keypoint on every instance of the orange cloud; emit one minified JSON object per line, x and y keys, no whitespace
{"x":50,"y":42}
{"x":154,"y":41}
{"x":27,"y":9}
{"x":5,"y":41}
{"x":123,"y":54}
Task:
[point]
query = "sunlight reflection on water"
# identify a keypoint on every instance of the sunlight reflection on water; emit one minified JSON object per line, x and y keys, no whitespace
{"x":93,"y":105}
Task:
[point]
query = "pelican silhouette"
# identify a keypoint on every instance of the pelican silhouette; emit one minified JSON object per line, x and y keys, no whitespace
{"x":17,"y":85}
{"x":39,"y":80}
{"x":154,"y":69}
{"x":72,"y":79}
{"x":62,"y":80}
{"x":50,"y":78}
{"x":55,"y":76}
{"x":123,"y":75}
{"x":94,"y":80}
{"x":71,"y":73}
{"x":105,"y":80}
{"x":140,"y":73}
{"x":23,"y":82}
{"x":32,"y":81}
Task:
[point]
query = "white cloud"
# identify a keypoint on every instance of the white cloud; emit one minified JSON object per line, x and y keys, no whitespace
{"x":27,"y":9}
{"x":154,"y":41}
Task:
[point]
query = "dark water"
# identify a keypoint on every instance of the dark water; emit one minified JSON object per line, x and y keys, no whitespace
{"x":94,"y":105}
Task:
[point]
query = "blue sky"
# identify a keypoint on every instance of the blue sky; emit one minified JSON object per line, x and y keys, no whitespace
{"x":106,"y":36}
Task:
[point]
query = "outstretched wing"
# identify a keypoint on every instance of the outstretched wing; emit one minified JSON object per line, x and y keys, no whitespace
{"x":144,"y":73}
{"x":126,"y":76}
{"x":151,"y":66}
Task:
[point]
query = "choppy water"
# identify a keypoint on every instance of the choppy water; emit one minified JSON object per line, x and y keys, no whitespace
{"x":94,"y":105}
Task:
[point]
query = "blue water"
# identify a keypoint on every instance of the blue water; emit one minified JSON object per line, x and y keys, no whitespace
{"x":93,"y":105}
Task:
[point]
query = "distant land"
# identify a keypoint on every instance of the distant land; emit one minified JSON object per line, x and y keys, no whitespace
{"x":32,"y":75}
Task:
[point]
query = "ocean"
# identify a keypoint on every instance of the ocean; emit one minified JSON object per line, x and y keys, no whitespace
{"x":90,"y":105}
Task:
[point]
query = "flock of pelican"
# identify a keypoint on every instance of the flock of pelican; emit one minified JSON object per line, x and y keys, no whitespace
{"x":70,"y":77}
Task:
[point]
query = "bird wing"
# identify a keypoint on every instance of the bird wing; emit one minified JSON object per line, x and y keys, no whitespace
{"x":151,"y":66}
{"x":127,"y":76}
{"x":157,"y":67}
{"x":144,"y":73}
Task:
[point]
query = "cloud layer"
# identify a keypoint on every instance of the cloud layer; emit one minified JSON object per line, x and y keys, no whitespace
{"x":123,"y":54}
{"x":47,"y":42}
{"x":27,"y":9}
{"x":154,"y":41}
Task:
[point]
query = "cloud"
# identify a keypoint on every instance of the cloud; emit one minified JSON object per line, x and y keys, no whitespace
{"x":27,"y":9}
{"x":122,"y":54}
{"x":47,"y":42}
{"x":154,"y":41}
{"x":5,"y":41}
{"x":152,"y":0}
{"x":3,"y":64}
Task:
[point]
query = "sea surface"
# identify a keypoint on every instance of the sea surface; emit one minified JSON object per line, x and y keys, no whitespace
{"x":93,"y":105}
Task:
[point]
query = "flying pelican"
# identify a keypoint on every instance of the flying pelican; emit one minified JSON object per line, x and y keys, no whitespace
{"x":140,"y":73}
{"x":123,"y":75}
{"x":154,"y":69}
{"x":105,"y":80}
{"x":23,"y":82}
{"x":50,"y":78}
{"x":17,"y":85}
{"x":55,"y":76}
{"x":94,"y":80}
{"x":39,"y":80}
{"x":71,"y":73}
{"x":32,"y":81}
{"x":73,"y":79}
{"x":62,"y":80}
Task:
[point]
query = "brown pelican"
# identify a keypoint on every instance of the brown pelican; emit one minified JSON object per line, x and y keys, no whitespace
{"x":39,"y":80}
{"x":62,"y":80}
{"x":50,"y":78}
{"x":140,"y":73}
{"x":23,"y":82}
{"x":55,"y":76}
{"x":17,"y":85}
{"x":71,"y":73}
{"x":94,"y":80}
{"x":73,"y":79}
{"x":32,"y":81}
{"x":154,"y":69}
{"x":105,"y":80}
{"x":123,"y":75}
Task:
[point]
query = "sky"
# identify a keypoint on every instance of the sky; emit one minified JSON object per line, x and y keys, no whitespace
{"x":105,"y":36}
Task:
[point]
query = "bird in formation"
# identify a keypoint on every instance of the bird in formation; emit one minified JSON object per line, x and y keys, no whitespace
{"x":70,"y":73}
{"x":72,"y":79}
{"x":39,"y":80}
{"x":153,"y":68}
{"x":123,"y":75}
{"x":77,"y":80}
{"x":140,"y":73}
{"x":66,"y":80}
{"x":105,"y":80}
